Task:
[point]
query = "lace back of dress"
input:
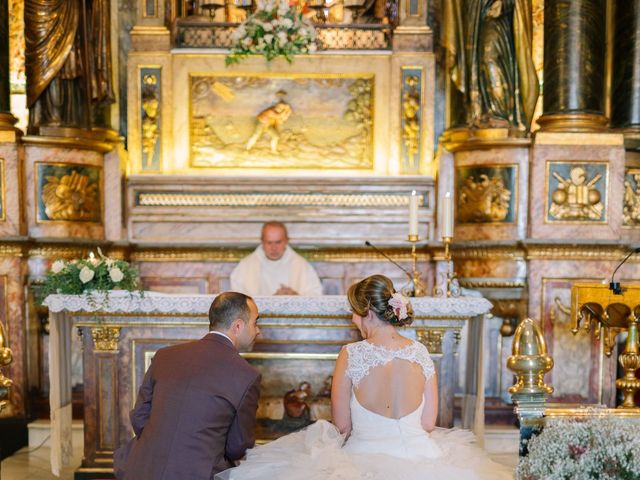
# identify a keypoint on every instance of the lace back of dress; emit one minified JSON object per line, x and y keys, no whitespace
{"x":363,"y":356}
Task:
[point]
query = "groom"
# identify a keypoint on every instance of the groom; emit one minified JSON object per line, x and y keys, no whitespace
{"x":196,"y":408}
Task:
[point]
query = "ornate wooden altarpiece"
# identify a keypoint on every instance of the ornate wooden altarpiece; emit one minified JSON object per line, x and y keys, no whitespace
{"x":300,"y":340}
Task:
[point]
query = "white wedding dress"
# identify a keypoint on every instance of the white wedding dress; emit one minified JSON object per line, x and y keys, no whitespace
{"x":379,"y":447}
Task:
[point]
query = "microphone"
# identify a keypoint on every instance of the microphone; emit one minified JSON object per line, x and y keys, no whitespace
{"x":369,"y":244}
{"x":615,"y":286}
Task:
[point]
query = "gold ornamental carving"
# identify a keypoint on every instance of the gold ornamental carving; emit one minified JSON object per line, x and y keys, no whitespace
{"x":70,"y":197}
{"x":6,"y":357}
{"x":411,"y":119}
{"x":529,"y":360}
{"x":576,"y":197}
{"x":150,"y":118}
{"x":479,"y":283}
{"x":105,"y":339}
{"x":572,"y":252}
{"x":431,"y":338}
{"x":484,"y":200}
{"x":631,"y":209}
{"x":161,"y":199}
{"x":237,"y":254}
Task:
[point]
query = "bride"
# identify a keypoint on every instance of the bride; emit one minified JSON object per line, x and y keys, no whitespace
{"x":384,"y":406}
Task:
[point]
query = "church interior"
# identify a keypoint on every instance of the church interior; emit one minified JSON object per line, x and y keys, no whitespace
{"x":483,"y":154}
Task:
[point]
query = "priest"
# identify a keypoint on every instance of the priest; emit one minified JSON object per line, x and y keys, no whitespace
{"x":274,"y":268}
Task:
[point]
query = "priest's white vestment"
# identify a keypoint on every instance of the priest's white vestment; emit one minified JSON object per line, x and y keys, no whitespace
{"x":258,"y":275}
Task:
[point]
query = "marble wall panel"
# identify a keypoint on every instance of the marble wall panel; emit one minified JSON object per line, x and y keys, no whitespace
{"x":491,"y":188}
{"x":576,"y":202}
{"x":318,"y":211}
{"x":213,"y":276}
{"x":12,"y":311}
{"x":11,"y":204}
{"x":39,"y":159}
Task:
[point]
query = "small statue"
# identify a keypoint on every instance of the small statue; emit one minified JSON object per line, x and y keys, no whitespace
{"x":270,"y":121}
{"x":295,"y":403}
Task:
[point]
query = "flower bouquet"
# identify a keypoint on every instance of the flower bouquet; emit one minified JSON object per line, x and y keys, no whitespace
{"x":275,"y":29}
{"x":598,"y":448}
{"x":96,"y":273}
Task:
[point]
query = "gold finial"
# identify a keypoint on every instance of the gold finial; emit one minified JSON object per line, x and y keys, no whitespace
{"x":529,"y":360}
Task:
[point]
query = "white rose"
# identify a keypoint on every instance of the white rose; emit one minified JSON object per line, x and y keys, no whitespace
{"x":58,"y":266}
{"x":268,"y":38}
{"x":116,"y":274}
{"x":86,"y":274}
{"x":267,"y":27}
{"x":282,"y":38}
{"x":286,"y":23}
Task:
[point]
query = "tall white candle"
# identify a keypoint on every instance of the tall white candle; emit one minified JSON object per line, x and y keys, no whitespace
{"x":447,"y":216}
{"x":413,"y":214}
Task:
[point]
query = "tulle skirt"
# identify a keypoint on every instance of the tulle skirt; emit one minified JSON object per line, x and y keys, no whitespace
{"x":317,"y":453}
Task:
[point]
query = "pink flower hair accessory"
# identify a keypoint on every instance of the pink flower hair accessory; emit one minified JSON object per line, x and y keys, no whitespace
{"x":399,"y":304}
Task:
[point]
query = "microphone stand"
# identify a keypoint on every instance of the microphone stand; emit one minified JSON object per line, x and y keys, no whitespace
{"x":414,"y":276}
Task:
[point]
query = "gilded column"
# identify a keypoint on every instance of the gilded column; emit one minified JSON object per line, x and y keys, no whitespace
{"x":625,"y":88}
{"x":6,"y":119}
{"x":574,"y":65}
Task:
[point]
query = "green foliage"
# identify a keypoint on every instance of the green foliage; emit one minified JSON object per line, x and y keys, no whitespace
{"x":100,"y":274}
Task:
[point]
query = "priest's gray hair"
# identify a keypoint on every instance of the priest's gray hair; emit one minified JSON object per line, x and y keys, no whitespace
{"x":228,"y":307}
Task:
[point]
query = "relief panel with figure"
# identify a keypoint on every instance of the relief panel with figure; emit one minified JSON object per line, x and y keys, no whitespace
{"x":282,"y":121}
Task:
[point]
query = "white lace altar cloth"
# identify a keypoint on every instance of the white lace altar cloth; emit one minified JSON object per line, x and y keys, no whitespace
{"x":152,"y":302}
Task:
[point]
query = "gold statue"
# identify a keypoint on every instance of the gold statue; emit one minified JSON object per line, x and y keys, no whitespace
{"x":576,"y":198}
{"x":5,"y":359}
{"x":270,"y":121}
{"x":488,"y":46}
{"x":62,"y":64}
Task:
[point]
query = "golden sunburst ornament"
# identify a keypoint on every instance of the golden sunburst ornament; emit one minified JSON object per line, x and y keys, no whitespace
{"x":70,"y":197}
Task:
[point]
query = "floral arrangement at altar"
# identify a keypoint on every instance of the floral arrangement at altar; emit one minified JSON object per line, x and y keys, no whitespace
{"x":276,"y":29}
{"x":95,"y":273}
{"x":597,"y":448}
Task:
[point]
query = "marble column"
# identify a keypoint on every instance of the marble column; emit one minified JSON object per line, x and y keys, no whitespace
{"x":574,"y":65}
{"x":625,"y":84}
{"x":6,"y":119}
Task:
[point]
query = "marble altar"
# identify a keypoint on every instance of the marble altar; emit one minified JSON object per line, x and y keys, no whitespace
{"x":300,"y":339}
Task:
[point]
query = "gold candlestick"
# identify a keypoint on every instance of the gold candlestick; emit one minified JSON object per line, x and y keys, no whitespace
{"x":419,"y":289}
{"x":448,"y":286}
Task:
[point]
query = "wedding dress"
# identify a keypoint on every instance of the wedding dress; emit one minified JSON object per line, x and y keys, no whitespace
{"x":379,"y":447}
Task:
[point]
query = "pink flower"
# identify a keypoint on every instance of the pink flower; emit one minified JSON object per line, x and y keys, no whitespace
{"x":399,"y":304}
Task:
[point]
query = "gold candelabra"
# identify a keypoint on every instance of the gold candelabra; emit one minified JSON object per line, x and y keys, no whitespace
{"x":419,"y":289}
{"x":595,"y":308}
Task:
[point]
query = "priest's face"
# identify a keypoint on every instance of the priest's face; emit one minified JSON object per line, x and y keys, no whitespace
{"x":274,"y":242}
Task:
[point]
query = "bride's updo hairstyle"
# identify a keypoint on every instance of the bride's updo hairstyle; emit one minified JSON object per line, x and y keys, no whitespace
{"x":374,"y":293}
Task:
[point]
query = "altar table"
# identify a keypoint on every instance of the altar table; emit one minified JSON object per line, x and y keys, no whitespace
{"x":300,"y":340}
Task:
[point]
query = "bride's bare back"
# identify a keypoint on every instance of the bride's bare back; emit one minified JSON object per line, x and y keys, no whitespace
{"x":393,"y":390}
{"x":392,"y":382}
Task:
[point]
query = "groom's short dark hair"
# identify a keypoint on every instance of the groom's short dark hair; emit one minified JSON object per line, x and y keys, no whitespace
{"x":227,"y":307}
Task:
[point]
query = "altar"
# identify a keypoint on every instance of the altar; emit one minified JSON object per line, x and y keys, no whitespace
{"x":299,"y":342}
